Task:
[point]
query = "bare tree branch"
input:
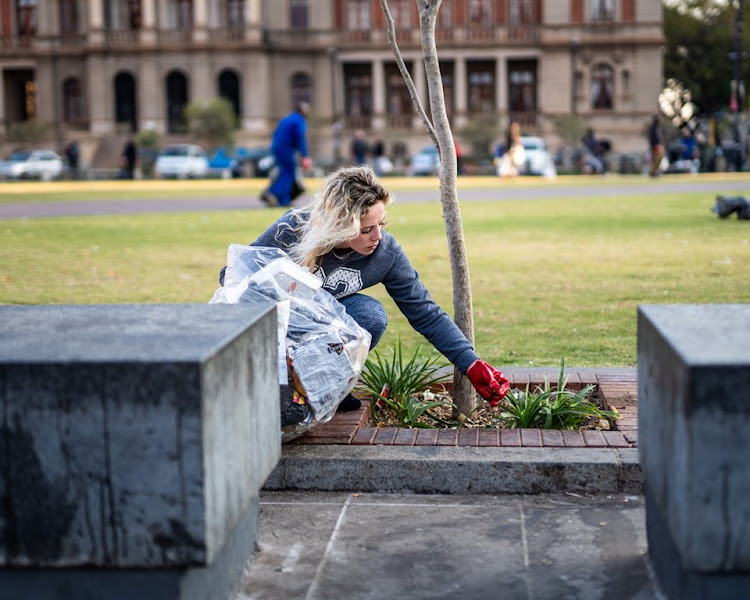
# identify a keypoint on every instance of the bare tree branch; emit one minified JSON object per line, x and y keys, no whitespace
{"x":405,"y":73}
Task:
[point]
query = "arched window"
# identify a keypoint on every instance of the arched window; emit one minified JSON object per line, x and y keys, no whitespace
{"x":126,"y":111}
{"x":602,"y":87}
{"x":72,"y":100}
{"x":177,"y":99}
{"x":229,"y":88}
{"x":301,"y":85}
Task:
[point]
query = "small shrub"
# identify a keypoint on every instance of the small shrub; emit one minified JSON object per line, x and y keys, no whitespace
{"x":395,"y":383}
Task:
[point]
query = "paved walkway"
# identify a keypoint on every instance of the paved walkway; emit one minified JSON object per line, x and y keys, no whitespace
{"x":470,"y":189}
{"x":369,"y":546}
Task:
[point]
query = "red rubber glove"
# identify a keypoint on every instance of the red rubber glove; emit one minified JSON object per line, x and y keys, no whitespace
{"x":489,"y":383}
{"x":306,"y":163}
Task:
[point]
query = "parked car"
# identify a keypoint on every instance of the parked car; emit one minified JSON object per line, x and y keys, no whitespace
{"x":182,"y":161}
{"x":258,"y":162}
{"x":32,"y":164}
{"x":424,"y":162}
{"x":538,"y":160}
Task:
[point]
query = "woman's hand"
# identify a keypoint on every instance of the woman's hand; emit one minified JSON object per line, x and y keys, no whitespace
{"x":489,"y":383}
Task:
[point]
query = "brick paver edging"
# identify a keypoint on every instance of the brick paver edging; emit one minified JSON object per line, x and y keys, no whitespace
{"x":353,"y":428}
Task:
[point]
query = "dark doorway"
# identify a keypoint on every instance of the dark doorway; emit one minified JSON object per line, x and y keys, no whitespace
{"x":126,"y":110}
{"x":177,"y":99}
{"x":229,"y":88}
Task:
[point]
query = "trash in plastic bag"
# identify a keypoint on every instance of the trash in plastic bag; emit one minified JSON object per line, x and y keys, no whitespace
{"x":323,"y":350}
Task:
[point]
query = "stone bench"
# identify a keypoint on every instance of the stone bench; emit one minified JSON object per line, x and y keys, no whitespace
{"x":135,"y":440}
{"x":694,"y":441}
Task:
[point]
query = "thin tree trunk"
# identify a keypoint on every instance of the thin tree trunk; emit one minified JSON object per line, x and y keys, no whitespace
{"x":440,"y":131}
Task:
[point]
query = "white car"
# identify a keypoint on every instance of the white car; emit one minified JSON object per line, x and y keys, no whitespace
{"x":182,"y":161}
{"x":425,"y":162}
{"x":538,"y":160}
{"x":32,"y":164}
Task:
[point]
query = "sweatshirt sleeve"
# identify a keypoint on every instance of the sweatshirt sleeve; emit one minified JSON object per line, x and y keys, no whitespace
{"x":425,"y":316}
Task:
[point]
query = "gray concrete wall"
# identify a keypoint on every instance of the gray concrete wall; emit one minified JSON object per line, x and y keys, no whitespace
{"x":132,"y":436}
{"x":693,"y":377}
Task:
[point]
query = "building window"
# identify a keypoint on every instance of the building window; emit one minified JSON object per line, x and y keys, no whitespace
{"x":602,"y":82}
{"x":522,"y":87}
{"x":399,"y":105}
{"x":481,"y":77}
{"x":301,"y":88}
{"x":298,"y":14}
{"x":480,"y":12}
{"x":358,"y":95}
{"x":68,"y":17}
{"x":401,"y":13}
{"x":625,"y":82}
{"x":602,"y":10}
{"x":125,"y":101}
{"x":522,"y":12}
{"x":236,"y":14}
{"x":358,"y":15}
{"x":72,"y":100}
{"x":449,"y":87}
{"x":134,"y":14}
{"x":229,"y":88}
{"x":26,"y":17}
{"x":184,"y":15}
{"x":177,"y":100}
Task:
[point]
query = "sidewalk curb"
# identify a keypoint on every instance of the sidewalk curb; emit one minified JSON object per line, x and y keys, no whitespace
{"x":456,"y":470}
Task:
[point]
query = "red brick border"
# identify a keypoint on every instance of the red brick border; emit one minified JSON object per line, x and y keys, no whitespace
{"x":353,"y":428}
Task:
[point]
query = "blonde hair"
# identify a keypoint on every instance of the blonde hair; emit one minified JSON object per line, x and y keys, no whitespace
{"x":335,"y":214}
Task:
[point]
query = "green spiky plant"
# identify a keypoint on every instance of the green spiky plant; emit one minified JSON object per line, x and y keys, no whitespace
{"x":396,"y":383}
{"x":551,"y":408}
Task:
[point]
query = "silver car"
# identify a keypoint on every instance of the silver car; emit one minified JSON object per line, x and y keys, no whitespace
{"x":32,"y":164}
{"x":182,"y":161}
{"x":538,"y":160}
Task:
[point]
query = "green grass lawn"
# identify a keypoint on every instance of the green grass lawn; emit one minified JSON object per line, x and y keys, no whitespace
{"x":550,"y":278}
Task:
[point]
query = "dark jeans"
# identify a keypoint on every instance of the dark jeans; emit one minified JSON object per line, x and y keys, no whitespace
{"x":368,"y":313}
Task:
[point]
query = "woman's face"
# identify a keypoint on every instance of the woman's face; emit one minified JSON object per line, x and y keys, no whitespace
{"x":370,"y":231}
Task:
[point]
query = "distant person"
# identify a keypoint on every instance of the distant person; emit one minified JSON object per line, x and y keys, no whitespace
{"x":655,"y":145}
{"x":511,"y":161}
{"x":459,"y":158}
{"x":72,"y":154}
{"x":380,"y":162}
{"x":359,"y":148}
{"x":289,"y":139}
{"x":128,"y":159}
{"x":593,"y":154}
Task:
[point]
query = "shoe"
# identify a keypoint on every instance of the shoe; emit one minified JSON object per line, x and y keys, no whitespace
{"x":349,"y":404}
{"x":269,"y":199}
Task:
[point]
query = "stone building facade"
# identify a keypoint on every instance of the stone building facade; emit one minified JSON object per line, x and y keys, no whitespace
{"x":100,"y":68}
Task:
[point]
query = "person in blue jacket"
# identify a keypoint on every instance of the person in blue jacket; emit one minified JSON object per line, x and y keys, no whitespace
{"x":340,"y":238}
{"x":289,"y":138}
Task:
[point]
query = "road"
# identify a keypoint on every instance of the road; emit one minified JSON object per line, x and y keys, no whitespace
{"x":483,"y":189}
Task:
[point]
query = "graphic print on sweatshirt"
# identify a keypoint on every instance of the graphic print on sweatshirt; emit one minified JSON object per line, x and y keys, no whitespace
{"x":341,"y":282}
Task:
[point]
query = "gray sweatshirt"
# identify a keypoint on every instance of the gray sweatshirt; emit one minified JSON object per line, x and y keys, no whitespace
{"x":345,"y":273}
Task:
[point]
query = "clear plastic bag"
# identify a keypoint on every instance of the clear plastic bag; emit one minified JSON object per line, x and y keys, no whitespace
{"x":324,"y":349}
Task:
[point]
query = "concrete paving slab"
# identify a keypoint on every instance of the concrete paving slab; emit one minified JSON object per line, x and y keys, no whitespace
{"x":334,"y":545}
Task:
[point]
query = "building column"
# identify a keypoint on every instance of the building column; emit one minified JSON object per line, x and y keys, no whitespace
{"x":99,"y":100}
{"x":148,"y":25}
{"x":378,"y":95}
{"x":200,"y":21}
{"x":152,"y":107}
{"x":96,"y":23}
{"x":501,"y":89}
{"x":420,"y":83}
{"x":255,"y":98}
{"x":253,"y":29}
{"x":462,"y":94}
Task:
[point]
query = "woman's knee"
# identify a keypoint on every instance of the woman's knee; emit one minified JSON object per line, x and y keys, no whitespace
{"x":368,"y":313}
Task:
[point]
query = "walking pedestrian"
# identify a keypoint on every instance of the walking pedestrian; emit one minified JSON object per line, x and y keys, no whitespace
{"x":656,"y":146}
{"x":289,"y":139}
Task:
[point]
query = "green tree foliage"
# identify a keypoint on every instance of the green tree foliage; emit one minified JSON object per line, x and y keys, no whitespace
{"x":212,"y":121}
{"x":699,"y":39}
